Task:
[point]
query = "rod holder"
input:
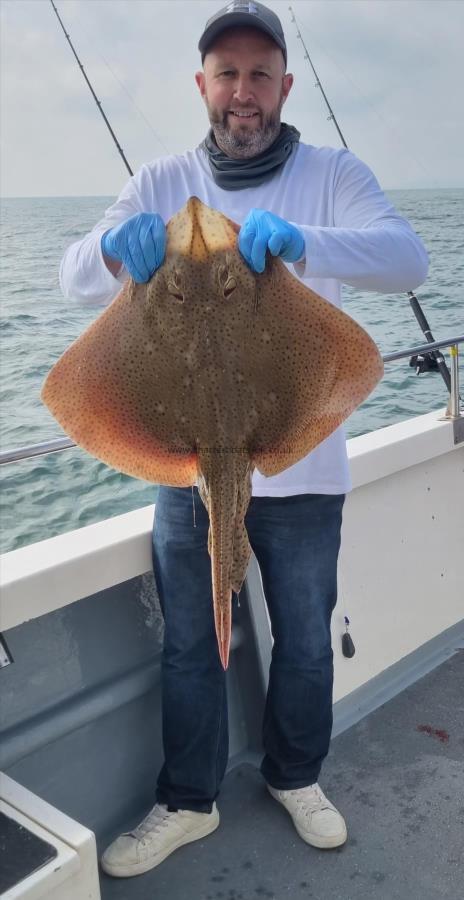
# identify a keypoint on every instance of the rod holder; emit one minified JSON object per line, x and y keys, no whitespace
{"x":454,"y":410}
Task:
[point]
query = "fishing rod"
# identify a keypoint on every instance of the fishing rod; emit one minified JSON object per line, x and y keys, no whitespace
{"x":434,"y":359}
{"x":318,"y":84}
{"x":428,"y":361}
{"x":97,"y":101}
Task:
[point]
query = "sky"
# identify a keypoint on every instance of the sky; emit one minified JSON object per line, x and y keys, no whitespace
{"x":392,"y":70}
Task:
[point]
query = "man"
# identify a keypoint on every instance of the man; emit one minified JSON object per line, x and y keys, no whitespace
{"x":322,"y":211}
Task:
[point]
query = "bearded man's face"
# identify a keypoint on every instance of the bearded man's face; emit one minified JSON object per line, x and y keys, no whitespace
{"x":244,"y":86}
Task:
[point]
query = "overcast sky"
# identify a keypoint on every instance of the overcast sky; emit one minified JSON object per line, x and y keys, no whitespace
{"x":392,"y":70}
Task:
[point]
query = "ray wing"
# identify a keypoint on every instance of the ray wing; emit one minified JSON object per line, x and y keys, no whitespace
{"x":312,"y":367}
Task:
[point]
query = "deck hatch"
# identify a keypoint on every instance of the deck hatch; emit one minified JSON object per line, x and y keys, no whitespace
{"x":21,"y":853}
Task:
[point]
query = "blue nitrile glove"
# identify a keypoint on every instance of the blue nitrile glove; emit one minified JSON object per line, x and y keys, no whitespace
{"x":139,"y":243}
{"x":263,"y":231}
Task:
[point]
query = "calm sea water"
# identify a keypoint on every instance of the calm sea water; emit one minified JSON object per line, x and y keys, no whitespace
{"x":63,"y":491}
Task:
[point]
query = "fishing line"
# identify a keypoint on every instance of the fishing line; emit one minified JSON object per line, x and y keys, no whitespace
{"x":385,"y":122}
{"x":97,"y":101}
{"x":121,"y":83}
{"x":348,"y":648}
{"x":193,"y":507}
{"x":434,"y":359}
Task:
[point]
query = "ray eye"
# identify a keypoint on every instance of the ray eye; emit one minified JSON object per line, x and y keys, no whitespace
{"x":175,"y":291}
{"x":229,"y":287}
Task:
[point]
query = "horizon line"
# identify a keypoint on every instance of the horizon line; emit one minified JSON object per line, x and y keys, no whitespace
{"x":102,"y":196}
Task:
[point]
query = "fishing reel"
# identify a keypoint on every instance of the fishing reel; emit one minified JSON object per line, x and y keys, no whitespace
{"x":424,"y":362}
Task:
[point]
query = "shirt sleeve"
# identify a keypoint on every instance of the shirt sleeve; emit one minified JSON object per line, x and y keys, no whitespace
{"x":370,"y":246}
{"x":84,"y":277}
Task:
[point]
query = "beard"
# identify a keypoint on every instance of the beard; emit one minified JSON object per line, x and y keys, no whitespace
{"x":244,"y":142}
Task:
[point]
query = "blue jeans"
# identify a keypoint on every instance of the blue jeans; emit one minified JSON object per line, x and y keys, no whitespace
{"x":296,"y":542}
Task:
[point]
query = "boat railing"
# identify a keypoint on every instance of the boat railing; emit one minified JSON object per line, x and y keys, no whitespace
{"x":453,"y":411}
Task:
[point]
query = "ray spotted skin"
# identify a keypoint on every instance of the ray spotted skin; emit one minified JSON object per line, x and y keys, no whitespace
{"x":207,"y":371}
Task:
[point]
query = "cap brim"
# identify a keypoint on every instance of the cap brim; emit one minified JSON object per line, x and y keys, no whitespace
{"x":216,"y":28}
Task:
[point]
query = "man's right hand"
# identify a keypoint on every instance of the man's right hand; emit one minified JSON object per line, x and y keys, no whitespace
{"x":139,"y":243}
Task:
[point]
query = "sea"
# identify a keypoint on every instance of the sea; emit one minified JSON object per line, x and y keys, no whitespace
{"x":60,"y":492}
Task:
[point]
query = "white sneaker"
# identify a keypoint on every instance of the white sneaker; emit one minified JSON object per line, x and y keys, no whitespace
{"x":314,"y":816}
{"x":160,"y":833}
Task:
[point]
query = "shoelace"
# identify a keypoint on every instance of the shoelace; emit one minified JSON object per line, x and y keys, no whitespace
{"x":311,"y":796}
{"x":157,"y":818}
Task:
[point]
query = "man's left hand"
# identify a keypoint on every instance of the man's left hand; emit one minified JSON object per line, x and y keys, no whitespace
{"x":263,"y":231}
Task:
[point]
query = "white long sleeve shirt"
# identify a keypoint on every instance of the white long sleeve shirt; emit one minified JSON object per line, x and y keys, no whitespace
{"x":352,"y":234}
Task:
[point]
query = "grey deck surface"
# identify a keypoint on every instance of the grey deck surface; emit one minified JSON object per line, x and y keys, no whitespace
{"x":400,"y":786}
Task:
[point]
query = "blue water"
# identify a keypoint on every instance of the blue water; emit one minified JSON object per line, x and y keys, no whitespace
{"x":63,"y":491}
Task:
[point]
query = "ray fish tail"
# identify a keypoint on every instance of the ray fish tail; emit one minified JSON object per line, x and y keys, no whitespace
{"x":224,"y":484}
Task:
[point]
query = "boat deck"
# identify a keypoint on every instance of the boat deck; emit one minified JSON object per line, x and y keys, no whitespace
{"x":398,"y":778}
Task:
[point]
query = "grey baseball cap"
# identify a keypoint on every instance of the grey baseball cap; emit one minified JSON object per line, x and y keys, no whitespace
{"x":243,"y":12}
